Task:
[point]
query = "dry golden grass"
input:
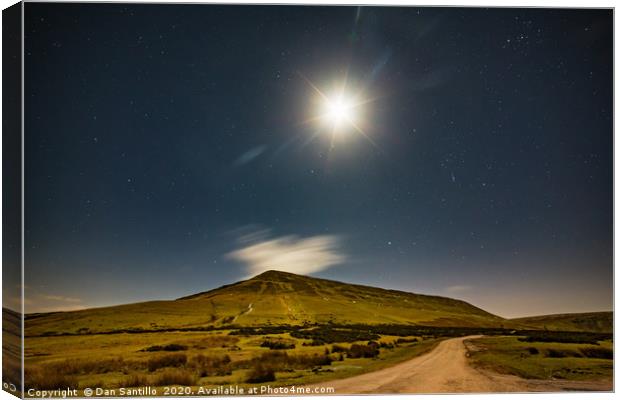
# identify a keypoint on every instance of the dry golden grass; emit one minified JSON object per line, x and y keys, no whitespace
{"x":175,"y":377}
{"x":95,"y":366}
{"x":211,"y":366}
{"x":48,"y":379}
{"x":135,"y":380}
{"x":214,"y":341}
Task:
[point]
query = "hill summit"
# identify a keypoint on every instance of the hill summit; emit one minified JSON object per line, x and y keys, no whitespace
{"x":270,"y":298}
{"x":283,"y":297}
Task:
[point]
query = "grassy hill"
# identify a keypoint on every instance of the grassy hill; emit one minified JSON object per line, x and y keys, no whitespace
{"x":585,"y":322}
{"x":255,"y":331}
{"x":271,"y":298}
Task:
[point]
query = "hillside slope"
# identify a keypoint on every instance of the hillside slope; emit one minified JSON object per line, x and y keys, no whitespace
{"x":602,"y":322}
{"x":271,"y":298}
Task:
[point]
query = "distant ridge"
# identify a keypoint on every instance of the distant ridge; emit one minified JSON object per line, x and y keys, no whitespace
{"x":602,"y":322}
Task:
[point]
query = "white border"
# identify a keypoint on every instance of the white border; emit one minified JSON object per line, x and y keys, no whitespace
{"x":479,"y":3}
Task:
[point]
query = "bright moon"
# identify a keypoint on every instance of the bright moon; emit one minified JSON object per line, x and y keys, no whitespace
{"x":339,"y":110}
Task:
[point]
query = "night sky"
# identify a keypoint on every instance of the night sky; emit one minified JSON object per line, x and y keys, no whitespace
{"x":171,"y":149}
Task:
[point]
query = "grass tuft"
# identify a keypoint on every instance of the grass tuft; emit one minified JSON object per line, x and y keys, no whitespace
{"x":169,"y":360}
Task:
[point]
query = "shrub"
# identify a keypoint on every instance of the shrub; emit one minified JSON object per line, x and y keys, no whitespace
{"x":532,"y":350}
{"x":338,"y":349}
{"x":277,"y":345}
{"x":315,"y":342}
{"x":176,"y":377}
{"x":168,"y":347}
{"x":554,"y":353}
{"x":334,"y":333}
{"x":565,"y":337}
{"x":261,"y":374}
{"x":597,"y":352}
{"x":169,"y":360}
{"x":362,"y":351}
{"x":328,"y":334}
{"x":48,"y":379}
{"x":281,"y":361}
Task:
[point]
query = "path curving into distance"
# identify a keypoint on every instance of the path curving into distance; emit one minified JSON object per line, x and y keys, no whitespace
{"x":447,"y":370}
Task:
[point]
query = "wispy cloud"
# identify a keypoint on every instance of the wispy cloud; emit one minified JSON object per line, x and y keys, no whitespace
{"x":458,"y":289}
{"x":39,"y":301}
{"x":61,"y":298}
{"x":250,"y":155}
{"x":291,"y":254}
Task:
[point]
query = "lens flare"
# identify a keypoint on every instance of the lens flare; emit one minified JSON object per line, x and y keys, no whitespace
{"x":340,"y":111}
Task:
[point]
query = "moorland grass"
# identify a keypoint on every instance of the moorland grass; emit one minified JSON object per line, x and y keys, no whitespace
{"x":211,"y":366}
{"x":175,"y":377}
{"x":542,"y":360}
{"x":48,"y":379}
{"x":579,"y":322}
{"x":95,"y":361}
{"x":168,"y":360}
{"x":260,"y":374}
{"x":134,"y":380}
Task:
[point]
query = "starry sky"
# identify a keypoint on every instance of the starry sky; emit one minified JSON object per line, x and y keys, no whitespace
{"x":171,"y":149}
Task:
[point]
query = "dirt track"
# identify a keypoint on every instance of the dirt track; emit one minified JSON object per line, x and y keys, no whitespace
{"x":446,"y":370}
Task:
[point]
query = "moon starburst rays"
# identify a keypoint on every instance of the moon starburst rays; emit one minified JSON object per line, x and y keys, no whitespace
{"x":339,"y":112}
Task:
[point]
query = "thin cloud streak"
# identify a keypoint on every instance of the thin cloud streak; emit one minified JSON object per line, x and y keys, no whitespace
{"x":61,"y":299}
{"x":41,"y":302}
{"x":458,"y":289}
{"x":250,"y":155}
